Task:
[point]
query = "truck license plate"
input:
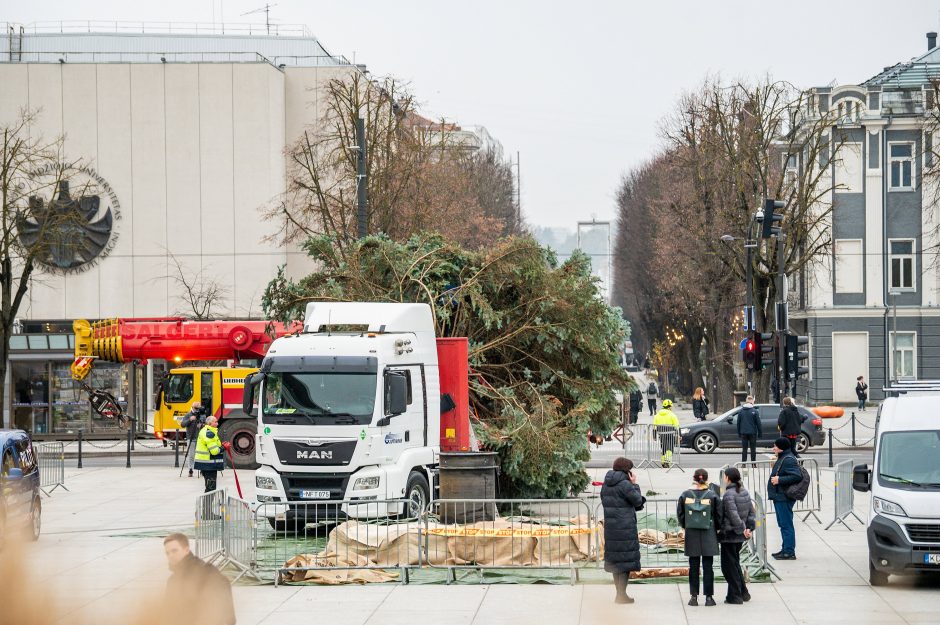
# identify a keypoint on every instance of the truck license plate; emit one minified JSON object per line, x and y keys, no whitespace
{"x":932,"y":558}
{"x":314,"y":494}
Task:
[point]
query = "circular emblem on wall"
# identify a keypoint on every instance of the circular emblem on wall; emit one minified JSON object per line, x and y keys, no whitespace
{"x":73,"y":228}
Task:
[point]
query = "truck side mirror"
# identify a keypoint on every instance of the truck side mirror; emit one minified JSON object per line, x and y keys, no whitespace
{"x":396,"y":393}
{"x":252,"y":380}
{"x":861,"y":478}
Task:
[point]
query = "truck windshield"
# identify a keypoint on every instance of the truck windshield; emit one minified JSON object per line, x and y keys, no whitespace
{"x":178,"y":388}
{"x":910,"y":460}
{"x":318,"y":398}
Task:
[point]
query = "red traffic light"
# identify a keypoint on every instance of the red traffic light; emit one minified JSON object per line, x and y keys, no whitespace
{"x":749,"y":346}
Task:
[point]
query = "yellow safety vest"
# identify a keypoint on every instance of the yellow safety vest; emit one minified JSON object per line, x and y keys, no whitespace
{"x":666,"y":417}
{"x":209,"y":450}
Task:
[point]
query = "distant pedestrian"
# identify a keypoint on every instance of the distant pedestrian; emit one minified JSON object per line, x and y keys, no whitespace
{"x":775,"y":390}
{"x":209,"y":459}
{"x":196,"y":591}
{"x":700,"y":514}
{"x":652,"y":393}
{"x":861,"y":391}
{"x":193,"y":421}
{"x":636,"y":404}
{"x":621,"y":498}
{"x":737,"y":523}
{"x":790,"y":423}
{"x":785,"y":472}
{"x":749,"y":428}
{"x":699,"y":404}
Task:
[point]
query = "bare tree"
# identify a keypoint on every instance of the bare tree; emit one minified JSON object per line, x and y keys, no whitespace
{"x":201,"y":296}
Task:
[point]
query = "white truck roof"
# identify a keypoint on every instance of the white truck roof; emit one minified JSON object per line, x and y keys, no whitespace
{"x":378,"y":316}
{"x":914,"y":410}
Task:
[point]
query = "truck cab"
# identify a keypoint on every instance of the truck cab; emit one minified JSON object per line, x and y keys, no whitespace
{"x":904,"y":481}
{"x":349,"y":410}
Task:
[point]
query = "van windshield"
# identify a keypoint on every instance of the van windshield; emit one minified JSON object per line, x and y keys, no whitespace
{"x":319,"y":398}
{"x":910,"y":460}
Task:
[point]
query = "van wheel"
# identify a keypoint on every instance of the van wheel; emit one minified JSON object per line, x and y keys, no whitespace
{"x":418,"y":494}
{"x":876,"y":577}
{"x":35,"y":520}
{"x":802,"y":443}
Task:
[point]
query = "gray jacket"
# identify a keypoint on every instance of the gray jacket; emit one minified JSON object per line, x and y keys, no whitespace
{"x":738,"y":515}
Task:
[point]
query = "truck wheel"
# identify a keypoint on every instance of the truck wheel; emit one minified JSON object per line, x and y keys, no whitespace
{"x":241,"y":434}
{"x":418,"y":494}
{"x":876,"y":577}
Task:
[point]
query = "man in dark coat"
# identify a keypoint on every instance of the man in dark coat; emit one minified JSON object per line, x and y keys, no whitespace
{"x":790,"y":423}
{"x":196,"y":593}
{"x":621,"y":498}
{"x":749,"y":428}
{"x":636,"y":405}
{"x":785,"y":472}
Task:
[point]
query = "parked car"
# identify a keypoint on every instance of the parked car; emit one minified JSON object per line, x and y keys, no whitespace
{"x":722,"y":431}
{"x":20,"y":505}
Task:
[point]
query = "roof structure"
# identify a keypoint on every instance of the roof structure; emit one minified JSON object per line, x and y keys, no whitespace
{"x":915,"y":73}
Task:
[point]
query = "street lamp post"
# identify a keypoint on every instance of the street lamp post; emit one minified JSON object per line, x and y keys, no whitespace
{"x":750,"y":319}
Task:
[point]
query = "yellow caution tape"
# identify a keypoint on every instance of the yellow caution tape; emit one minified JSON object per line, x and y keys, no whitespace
{"x":511,"y":532}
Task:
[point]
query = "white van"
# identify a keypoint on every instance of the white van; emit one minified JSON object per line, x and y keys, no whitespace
{"x":904,"y":516}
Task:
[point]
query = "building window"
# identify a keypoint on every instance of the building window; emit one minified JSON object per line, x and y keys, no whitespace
{"x":903,"y":361}
{"x":901,"y":164}
{"x":849,"y":266}
{"x":901,"y":263}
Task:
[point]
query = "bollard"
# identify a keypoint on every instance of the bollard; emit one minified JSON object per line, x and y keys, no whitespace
{"x":176,"y":451}
{"x":128,"y":448}
{"x":133,"y":434}
{"x":79,"y":449}
{"x":853,"y":428}
{"x":830,"y":448}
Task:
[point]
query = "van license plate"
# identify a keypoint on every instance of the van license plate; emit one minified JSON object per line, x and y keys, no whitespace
{"x":932,"y":558}
{"x":314,"y":494}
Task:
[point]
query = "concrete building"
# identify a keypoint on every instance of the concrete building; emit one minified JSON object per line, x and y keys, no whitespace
{"x":184,"y":130}
{"x":883,"y":272}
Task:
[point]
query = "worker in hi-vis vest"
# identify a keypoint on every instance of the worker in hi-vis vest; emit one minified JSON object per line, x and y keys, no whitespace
{"x":209,"y":459}
{"x":666,"y":424}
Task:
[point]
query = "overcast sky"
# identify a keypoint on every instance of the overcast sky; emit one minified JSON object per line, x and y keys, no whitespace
{"x":578,"y":88}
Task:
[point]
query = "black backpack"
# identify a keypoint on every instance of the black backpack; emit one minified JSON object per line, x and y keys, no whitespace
{"x":652,"y":388}
{"x":798,"y":491}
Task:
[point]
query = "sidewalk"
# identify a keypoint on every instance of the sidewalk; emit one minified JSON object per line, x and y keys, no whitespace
{"x":103,"y":540}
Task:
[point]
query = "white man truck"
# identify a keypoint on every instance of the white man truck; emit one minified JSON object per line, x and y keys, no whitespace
{"x":357,"y":407}
{"x":904,"y":481}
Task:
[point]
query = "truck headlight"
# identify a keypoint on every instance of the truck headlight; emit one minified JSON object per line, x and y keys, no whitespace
{"x":684,"y":431}
{"x":887,"y":507}
{"x":265,"y":483}
{"x":366,"y":483}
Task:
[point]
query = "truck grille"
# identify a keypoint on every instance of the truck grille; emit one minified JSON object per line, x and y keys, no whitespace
{"x":922,"y":533}
{"x":333,"y":482}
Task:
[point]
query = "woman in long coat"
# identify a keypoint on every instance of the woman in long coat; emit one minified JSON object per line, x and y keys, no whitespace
{"x":621,"y":498}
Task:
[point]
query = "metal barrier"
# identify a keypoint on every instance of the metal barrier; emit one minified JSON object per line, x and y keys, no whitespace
{"x":652,"y":446}
{"x":756,"y":476}
{"x":490,"y":534}
{"x":844,"y":494}
{"x":239,"y":538}
{"x":345,"y":535}
{"x":209,"y":526}
{"x":51,"y":460}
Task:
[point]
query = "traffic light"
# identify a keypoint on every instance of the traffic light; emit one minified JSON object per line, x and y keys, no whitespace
{"x":750,"y":352}
{"x":765,"y":347}
{"x":770,"y":218}
{"x":794,"y":356}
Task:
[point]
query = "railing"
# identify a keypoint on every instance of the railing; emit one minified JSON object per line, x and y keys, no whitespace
{"x":209,"y":526}
{"x":844,"y":495}
{"x":652,"y":446}
{"x":51,"y":460}
{"x":174,"y":28}
{"x":756,"y":476}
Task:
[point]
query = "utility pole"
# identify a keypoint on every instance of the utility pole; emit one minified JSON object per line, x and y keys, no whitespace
{"x":782,"y":317}
{"x":362,"y":180}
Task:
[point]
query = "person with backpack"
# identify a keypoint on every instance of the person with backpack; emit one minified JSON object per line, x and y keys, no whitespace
{"x":737,"y":522}
{"x":700,"y":514}
{"x":749,"y":428}
{"x":621,"y":498}
{"x":699,"y":404}
{"x":861,"y":391}
{"x":790,"y":423}
{"x":652,"y":393}
{"x":785,"y":474}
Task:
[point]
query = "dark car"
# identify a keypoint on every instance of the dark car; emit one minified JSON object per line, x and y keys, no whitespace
{"x":722,"y":431}
{"x":20,"y":505}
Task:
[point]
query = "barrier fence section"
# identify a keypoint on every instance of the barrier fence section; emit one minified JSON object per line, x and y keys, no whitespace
{"x":756,"y":476}
{"x":653,"y":446}
{"x":844,"y":494}
{"x":343,"y":535}
{"x":51,"y":460}
{"x":488,"y":534}
{"x":209,"y":526}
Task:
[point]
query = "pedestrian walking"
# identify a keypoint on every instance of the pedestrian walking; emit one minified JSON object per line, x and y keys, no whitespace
{"x":861,"y":391}
{"x":666,"y":424}
{"x":790,"y":423}
{"x":699,"y":404}
{"x":196,"y":592}
{"x":621,"y":498}
{"x":749,"y":428}
{"x":193,"y":421}
{"x":209,"y":459}
{"x":737,"y":523}
{"x":785,"y":472}
{"x":700,"y":514}
{"x":652,"y":393}
{"x":636,"y":404}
